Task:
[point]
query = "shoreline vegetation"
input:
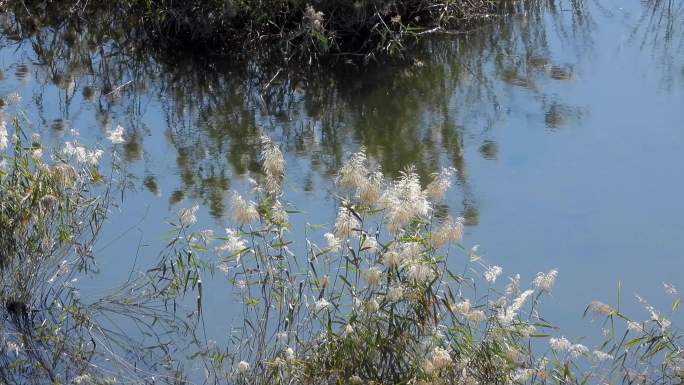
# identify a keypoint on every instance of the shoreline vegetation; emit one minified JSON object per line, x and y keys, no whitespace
{"x":392,"y":292}
{"x":283,"y":30}
{"x":372,"y":298}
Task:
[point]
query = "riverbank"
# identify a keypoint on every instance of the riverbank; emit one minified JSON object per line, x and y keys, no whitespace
{"x":290,"y":30}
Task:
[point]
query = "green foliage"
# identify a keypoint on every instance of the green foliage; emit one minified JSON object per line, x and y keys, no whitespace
{"x":49,"y":216}
{"x":305,"y":30}
{"x":379,"y":305}
{"x":51,"y":212}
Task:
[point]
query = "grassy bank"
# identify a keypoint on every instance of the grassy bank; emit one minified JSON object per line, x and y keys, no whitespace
{"x":306,"y":30}
{"x":310,"y":28}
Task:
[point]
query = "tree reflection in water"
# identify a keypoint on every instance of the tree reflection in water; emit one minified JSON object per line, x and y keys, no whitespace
{"x":213,"y":109}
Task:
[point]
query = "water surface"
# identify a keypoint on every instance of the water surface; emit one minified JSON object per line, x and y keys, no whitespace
{"x":565,"y":127}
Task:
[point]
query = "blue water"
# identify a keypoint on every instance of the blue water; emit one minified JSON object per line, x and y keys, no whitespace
{"x":566,"y":129}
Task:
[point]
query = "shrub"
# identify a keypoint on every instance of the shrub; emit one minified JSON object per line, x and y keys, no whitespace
{"x":286,"y":29}
{"x":51,"y":211}
{"x":311,"y":28}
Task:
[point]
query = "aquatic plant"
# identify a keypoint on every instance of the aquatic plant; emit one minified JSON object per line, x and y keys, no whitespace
{"x":375,"y":300}
{"x":53,"y":203}
{"x":389,"y":293}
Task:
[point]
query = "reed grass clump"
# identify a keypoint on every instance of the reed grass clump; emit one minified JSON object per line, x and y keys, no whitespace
{"x":53,"y":203}
{"x":390,"y":294}
{"x":50,"y":215}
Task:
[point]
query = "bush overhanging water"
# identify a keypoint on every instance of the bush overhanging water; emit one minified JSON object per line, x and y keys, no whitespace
{"x":305,"y":30}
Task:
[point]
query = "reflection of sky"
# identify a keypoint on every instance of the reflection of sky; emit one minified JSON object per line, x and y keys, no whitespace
{"x":582,"y":172}
{"x":600,"y":198}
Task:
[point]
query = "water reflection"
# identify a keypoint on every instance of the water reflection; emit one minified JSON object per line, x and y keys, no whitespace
{"x":489,"y":150}
{"x":212,"y":111}
{"x":557,"y":114}
{"x":537,"y":155}
{"x":662,"y":31}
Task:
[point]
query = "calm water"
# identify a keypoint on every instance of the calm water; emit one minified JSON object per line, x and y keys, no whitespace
{"x":566,"y":127}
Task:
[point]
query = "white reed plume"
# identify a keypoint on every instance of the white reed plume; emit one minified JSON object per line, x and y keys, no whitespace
{"x":599,"y":308}
{"x":346,"y":223}
{"x":420,"y":273}
{"x":428,"y":367}
{"x":514,"y":285}
{"x":404,"y":201}
{"x":545,"y":281}
{"x":82,"y":379}
{"x":372,"y":306}
{"x":321,"y":304}
{"x":313,"y":19}
{"x":526,"y":330}
{"x":13,"y":347}
{"x":371,"y":190}
{"x":440,"y":184}
{"x":188,"y":216}
{"x":670,"y":289}
{"x":506,"y":315}
{"x":278,"y":213}
{"x":450,"y":231}
{"x":492,"y":273}
{"x":12,"y":99}
{"x":560,"y":344}
{"x":411,"y":250}
{"x":281,"y":337}
{"x":207,"y":235}
{"x":353,"y":174}
{"x":36,"y":152}
{"x":463,"y":307}
{"x":395,"y":293}
{"x":663,"y":322}
{"x":289,"y":354}
{"x":333,"y":242}
{"x":116,"y":135}
{"x":600,"y":356}
{"x":391,"y":259}
{"x":348,"y":330}
{"x":243,"y":367}
{"x":65,"y":174}
{"x":273,"y":164}
{"x":635,"y":327}
{"x":243,"y":212}
{"x":476,"y":316}
{"x":577,"y":350}
{"x":370,"y":244}
{"x":4,"y":140}
{"x":441,"y":358}
{"x":373,"y":276}
{"x":232,"y":245}
{"x":522,"y":375}
{"x":82,"y":154}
